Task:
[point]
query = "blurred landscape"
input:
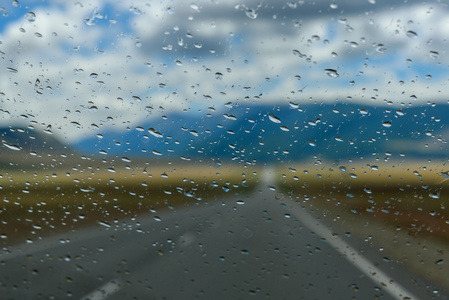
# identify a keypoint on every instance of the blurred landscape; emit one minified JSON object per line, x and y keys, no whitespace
{"x":376,"y":162}
{"x":387,"y":183}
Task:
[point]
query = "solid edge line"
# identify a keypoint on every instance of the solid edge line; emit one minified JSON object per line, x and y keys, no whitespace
{"x":359,"y":261}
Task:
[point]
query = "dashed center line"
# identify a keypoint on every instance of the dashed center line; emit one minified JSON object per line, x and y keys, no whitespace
{"x":104,"y":291}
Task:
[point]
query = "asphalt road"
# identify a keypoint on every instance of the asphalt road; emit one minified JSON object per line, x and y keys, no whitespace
{"x":255,"y":246}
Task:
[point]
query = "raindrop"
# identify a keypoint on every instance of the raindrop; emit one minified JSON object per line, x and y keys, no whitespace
{"x":112,"y":170}
{"x":380,"y":48}
{"x":48,"y":130}
{"x":12,"y":70}
{"x":30,"y":16}
{"x":331,"y":73}
{"x":412,"y":34}
{"x":170,"y":10}
{"x":299,"y":54}
{"x":274,"y":119}
{"x":434,"y":54}
{"x":218,"y":76}
{"x":105,"y":224}
{"x":386,"y":124}
{"x":251,"y":13}
{"x":155,"y":133}
{"x":12,"y":147}
{"x":230,"y":117}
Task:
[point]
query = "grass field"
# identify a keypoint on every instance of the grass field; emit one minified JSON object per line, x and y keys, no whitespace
{"x":412,"y":196}
{"x":36,"y":202}
{"x":41,"y":202}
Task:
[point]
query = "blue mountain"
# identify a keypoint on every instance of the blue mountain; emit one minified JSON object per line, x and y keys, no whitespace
{"x":291,"y":132}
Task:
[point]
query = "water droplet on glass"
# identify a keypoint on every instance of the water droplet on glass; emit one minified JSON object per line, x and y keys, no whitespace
{"x":380,"y":48}
{"x":48,"y":130}
{"x":11,"y":146}
{"x":434,"y":54}
{"x":299,"y":54}
{"x":12,"y":70}
{"x":251,"y":13}
{"x":30,"y":16}
{"x":155,"y":133}
{"x":412,"y":34}
{"x":218,"y":76}
{"x":434,"y":195}
{"x":274,"y":119}
{"x":331,"y":73}
{"x":386,"y":124}
{"x":170,"y":10}
{"x":105,"y":224}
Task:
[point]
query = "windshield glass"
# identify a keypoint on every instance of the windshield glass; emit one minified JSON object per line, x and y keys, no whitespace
{"x":219,"y":149}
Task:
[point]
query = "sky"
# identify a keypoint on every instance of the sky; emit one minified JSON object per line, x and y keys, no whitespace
{"x":85,"y":66}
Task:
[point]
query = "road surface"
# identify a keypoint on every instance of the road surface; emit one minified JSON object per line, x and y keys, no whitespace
{"x":255,"y":246}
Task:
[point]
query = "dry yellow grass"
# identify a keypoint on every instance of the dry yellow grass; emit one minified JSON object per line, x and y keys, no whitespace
{"x":411,"y":195}
{"x":62,"y":199}
{"x":370,"y":174}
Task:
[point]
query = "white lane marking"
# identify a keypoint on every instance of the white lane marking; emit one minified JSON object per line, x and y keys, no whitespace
{"x":104,"y":291}
{"x":363,"y":264}
{"x":360,"y":262}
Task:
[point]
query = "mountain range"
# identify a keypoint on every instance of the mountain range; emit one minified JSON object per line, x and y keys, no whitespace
{"x":282,"y":133}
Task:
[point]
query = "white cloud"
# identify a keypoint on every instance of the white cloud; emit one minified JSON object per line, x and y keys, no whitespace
{"x":168,"y":54}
